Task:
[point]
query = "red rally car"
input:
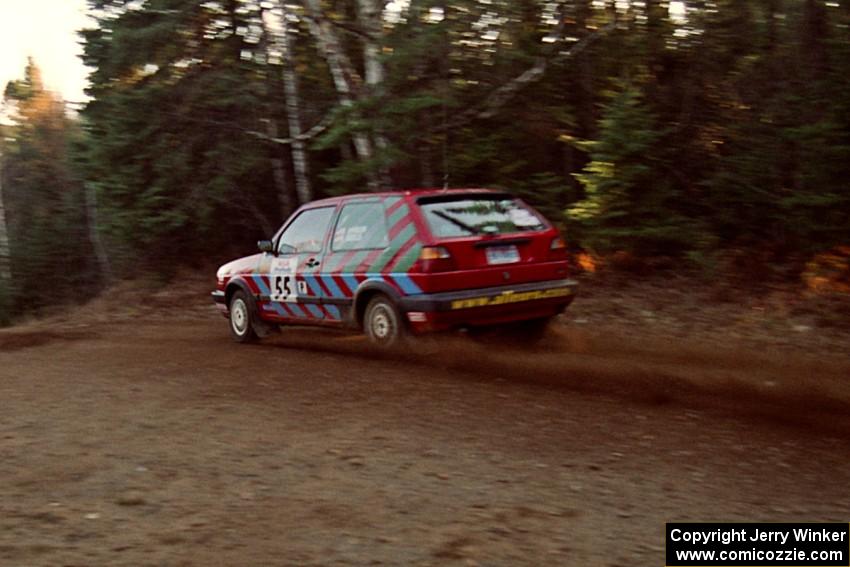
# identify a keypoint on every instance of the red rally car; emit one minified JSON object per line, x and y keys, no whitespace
{"x":401,"y":262}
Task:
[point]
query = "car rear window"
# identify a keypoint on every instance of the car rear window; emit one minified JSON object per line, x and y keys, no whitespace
{"x":474,"y":215}
{"x":361,"y":226}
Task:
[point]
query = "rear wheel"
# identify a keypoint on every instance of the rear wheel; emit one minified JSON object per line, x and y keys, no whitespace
{"x":382,"y":322}
{"x":242,"y":318}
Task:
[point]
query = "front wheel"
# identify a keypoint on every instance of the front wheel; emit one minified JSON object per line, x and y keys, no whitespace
{"x":242,"y":318}
{"x":382,"y":322}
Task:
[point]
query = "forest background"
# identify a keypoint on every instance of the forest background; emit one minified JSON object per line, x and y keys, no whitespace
{"x":708,"y":138}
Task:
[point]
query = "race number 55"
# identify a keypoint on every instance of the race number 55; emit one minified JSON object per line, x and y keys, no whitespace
{"x":283,"y":288}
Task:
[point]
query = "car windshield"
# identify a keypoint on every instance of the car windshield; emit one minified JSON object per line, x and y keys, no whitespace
{"x":477,"y":215}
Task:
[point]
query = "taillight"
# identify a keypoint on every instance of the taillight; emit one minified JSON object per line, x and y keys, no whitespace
{"x":435,"y":259}
{"x":558,"y":249}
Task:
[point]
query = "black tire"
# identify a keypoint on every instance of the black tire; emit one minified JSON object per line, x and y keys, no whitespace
{"x":243,"y":318}
{"x":383,"y":323}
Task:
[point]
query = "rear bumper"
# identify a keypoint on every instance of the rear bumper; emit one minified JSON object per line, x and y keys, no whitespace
{"x":486,"y":306}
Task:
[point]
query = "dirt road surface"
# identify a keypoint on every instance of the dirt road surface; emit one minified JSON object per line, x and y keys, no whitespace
{"x":160,"y":442}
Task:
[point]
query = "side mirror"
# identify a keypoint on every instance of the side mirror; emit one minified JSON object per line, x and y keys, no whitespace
{"x":265,"y":245}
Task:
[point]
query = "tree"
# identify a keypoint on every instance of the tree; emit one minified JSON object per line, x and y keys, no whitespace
{"x":48,"y":244}
{"x":5,"y":254}
{"x":293,"y":109}
{"x":717,"y":125}
{"x":177,"y":87}
{"x":629,"y":205}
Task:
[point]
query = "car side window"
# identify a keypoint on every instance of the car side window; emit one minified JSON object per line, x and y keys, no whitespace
{"x":361,"y":226}
{"x":307,"y":232}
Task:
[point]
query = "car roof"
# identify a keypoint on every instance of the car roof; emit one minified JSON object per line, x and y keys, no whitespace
{"x":424,"y":192}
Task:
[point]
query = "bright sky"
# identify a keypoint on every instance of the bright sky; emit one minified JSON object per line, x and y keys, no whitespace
{"x":45,"y":30}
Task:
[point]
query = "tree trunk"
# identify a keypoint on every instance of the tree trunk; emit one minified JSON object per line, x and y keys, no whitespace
{"x":584,"y":79}
{"x":284,"y":193}
{"x":345,"y":78}
{"x":369,"y":14}
{"x":293,"y":115}
{"x":493,"y":102}
{"x":815,"y":34}
{"x":772,"y":32}
{"x":5,"y":253}
{"x":103,"y":265}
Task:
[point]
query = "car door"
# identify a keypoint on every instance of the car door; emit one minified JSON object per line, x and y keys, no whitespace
{"x":293,"y":293}
{"x":356,"y":252}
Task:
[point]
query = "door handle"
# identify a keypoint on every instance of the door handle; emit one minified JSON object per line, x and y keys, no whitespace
{"x":312,"y":263}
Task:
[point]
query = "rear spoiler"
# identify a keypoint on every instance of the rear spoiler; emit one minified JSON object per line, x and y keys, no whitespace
{"x":448,"y":197}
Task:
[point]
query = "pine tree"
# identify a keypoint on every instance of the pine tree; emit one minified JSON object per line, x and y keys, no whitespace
{"x":629,"y":205}
{"x":179,"y":86}
{"x":43,"y":200}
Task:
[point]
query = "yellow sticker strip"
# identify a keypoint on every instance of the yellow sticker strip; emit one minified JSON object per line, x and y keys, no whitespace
{"x":511,"y":297}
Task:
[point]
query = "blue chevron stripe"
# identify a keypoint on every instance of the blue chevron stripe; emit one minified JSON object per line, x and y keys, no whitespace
{"x":332,"y":287}
{"x":350,"y":281}
{"x":276,"y":307}
{"x":264,"y":289}
{"x":314,"y":310}
{"x":314,"y":286}
{"x":295,"y":310}
{"x":333,"y":311}
{"x":405,"y":283}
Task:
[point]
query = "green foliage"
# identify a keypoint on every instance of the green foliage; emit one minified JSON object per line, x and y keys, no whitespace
{"x":684,"y":136}
{"x":629,"y":204}
{"x":177,"y":87}
{"x":50,"y":252}
{"x":781,"y":175}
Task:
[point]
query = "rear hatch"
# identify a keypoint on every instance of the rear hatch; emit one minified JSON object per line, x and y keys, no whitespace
{"x":492,"y":239}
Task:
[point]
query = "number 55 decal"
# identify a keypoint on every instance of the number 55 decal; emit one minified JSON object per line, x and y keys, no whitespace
{"x":283,"y":288}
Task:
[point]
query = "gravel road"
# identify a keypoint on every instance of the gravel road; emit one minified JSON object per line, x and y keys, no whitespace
{"x":163,"y":443}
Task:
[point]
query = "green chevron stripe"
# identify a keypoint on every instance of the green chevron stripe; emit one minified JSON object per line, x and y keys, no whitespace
{"x":406,"y":261}
{"x":355,"y":261}
{"x":406,"y":234}
{"x":402,"y":212}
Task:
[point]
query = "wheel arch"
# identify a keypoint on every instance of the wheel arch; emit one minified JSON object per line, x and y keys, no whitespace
{"x":365,"y":293}
{"x":233,"y":286}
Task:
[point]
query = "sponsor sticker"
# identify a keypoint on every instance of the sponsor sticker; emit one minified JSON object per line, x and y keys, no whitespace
{"x":286,"y":265}
{"x":510,"y":296}
{"x":282,"y":282}
{"x":283,"y":288}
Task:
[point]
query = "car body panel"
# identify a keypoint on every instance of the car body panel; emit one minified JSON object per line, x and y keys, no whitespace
{"x":326,"y":287}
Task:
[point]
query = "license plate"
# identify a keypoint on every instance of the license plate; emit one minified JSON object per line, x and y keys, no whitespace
{"x":502,"y":254}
